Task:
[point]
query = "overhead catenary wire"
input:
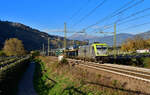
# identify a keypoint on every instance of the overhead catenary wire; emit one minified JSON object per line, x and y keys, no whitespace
{"x":134,"y":26}
{"x":130,"y":20}
{"x":130,"y":27}
{"x":134,"y":14}
{"x":130,"y":16}
{"x":137,"y":18}
{"x":79,"y":10}
{"x":91,"y":12}
{"x":116,"y":13}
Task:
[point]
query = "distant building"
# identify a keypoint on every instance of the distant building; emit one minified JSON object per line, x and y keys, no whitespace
{"x":143,"y":51}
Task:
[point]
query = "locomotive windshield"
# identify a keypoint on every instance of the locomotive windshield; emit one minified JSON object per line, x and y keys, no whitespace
{"x":100,"y":47}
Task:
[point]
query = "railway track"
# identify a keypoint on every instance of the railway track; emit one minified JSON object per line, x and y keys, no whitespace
{"x":127,"y":71}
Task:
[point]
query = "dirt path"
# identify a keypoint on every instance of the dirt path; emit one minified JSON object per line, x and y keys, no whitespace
{"x":26,"y":84}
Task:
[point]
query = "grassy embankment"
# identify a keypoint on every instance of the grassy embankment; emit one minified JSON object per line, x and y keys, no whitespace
{"x":51,"y":78}
{"x":146,"y":62}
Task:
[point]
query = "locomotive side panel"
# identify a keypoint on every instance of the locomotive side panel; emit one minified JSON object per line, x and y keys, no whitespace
{"x":84,"y":52}
{"x":96,"y":51}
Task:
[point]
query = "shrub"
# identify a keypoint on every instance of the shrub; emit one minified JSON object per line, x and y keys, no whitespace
{"x":35,"y":53}
{"x":64,"y":61}
{"x":10,"y":76}
{"x":2,"y":53}
{"x":146,"y":62}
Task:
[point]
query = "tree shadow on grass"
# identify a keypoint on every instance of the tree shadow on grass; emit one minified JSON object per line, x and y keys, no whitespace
{"x":72,"y":90}
{"x":51,"y":80}
{"x":117,"y":88}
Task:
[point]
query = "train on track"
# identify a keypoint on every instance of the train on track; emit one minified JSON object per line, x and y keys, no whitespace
{"x":96,"y":51}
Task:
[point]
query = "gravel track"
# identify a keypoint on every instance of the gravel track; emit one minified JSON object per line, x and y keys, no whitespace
{"x":128,"y":71}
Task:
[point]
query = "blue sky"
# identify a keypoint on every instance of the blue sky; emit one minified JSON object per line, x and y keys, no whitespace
{"x":50,"y":15}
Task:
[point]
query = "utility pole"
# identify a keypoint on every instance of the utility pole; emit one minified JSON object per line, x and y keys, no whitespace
{"x":65,"y":35}
{"x":43,"y":49}
{"x":48,"y":47}
{"x":115,"y":51}
{"x":84,"y":48}
{"x":84,"y":32}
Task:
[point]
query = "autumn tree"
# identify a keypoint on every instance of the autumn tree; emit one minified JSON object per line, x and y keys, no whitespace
{"x":13,"y":46}
{"x":134,"y":44}
{"x":148,"y":41}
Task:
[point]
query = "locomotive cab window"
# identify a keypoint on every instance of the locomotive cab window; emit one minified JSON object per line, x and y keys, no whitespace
{"x":98,"y":47}
{"x":101,"y":50}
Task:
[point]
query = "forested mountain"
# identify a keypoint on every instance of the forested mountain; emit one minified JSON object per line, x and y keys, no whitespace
{"x":120,"y":38}
{"x":31,"y":38}
{"x":105,"y":39}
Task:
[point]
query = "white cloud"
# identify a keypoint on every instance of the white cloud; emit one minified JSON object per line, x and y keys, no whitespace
{"x":96,"y":27}
{"x":53,"y":30}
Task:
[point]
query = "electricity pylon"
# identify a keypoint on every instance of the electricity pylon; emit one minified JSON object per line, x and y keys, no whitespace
{"x":115,"y":51}
{"x":65,"y":35}
{"x":48,"y":47}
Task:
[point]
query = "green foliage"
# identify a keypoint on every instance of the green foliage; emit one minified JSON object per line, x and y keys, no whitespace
{"x":8,"y":61}
{"x":139,"y":62}
{"x":55,"y":79}
{"x":64,"y":61}
{"x":146,"y":62}
{"x":2,"y":53}
{"x":39,"y":79}
{"x":35,"y":53}
{"x":10,"y":76}
{"x":58,"y":85}
{"x":115,"y":82}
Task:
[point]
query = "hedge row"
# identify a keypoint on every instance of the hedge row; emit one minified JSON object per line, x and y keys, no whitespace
{"x":9,"y":61}
{"x":10,"y":76}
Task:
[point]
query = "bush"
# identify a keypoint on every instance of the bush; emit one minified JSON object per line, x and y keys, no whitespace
{"x":35,"y":53}
{"x":64,"y":61}
{"x":10,"y":76}
{"x":146,"y":62}
{"x":2,"y":53}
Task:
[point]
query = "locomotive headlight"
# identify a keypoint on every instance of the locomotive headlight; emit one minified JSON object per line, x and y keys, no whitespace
{"x":97,"y":53}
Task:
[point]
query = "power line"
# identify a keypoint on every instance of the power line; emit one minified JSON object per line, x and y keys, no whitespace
{"x":116,"y":13}
{"x":134,"y":19}
{"x":111,"y":25}
{"x":79,"y":10}
{"x":146,"y":23}
{"x":92,"y":11}
{"x":130,"y":16}
{"x":136,"y":13}
{"x":130,"y":27}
